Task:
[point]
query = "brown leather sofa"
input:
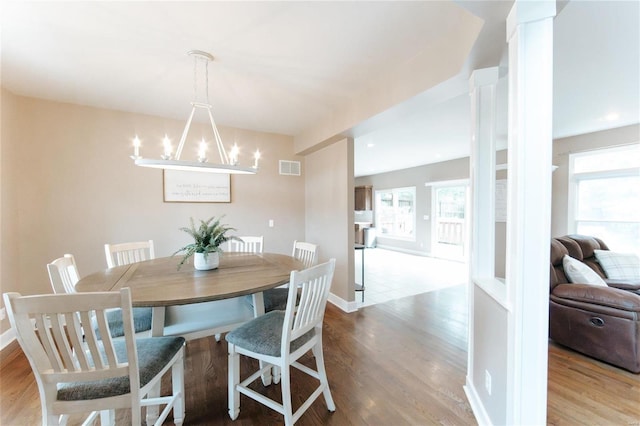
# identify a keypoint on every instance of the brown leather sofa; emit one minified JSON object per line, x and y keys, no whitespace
{"x":601,"y":322}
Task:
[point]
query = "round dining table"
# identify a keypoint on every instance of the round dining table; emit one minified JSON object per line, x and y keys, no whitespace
{"x":160,"y":283}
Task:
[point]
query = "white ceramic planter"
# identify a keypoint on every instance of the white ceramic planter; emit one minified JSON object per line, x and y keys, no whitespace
{"x":211,"y":262}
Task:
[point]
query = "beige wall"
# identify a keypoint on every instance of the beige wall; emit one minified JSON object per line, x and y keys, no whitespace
{"x":561,"y":150}
{"x":69,"y":186}
{"x":329,"y":211}
{"x":491,"y":323}
{"x":9,"y":271}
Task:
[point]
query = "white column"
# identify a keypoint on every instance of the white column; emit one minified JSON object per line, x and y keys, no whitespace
{"x":482,"y":85}
{"x":530,"y":38}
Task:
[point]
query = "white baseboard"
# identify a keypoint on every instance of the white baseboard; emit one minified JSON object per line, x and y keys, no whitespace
{"x":347,"y":307}
{"x":476,"y":404}
{"x":7,"y":338}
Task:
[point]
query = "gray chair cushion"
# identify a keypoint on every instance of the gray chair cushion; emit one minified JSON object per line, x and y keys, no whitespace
{"x":141,"y":321}
{"x":153,"y":354}
{"x":264,"y":335}
{"x":275,"y":299}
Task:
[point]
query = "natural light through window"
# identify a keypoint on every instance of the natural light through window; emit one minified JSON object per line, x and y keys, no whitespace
{"x":605,"y":196}
{"x":396,"y":213}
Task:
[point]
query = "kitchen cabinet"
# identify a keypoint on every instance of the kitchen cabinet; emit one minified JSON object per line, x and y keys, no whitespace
{"x":364,"y":198}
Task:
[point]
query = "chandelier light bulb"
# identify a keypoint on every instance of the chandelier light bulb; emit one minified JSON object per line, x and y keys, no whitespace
{"x":136,"y":148}
{"x":233,"y":155}
{"x":256,"y":157}
{"x":202,"y":152}
{"x":166,"y":143}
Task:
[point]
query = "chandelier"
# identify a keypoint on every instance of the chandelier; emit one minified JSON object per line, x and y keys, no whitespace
{"x":228,"y":162}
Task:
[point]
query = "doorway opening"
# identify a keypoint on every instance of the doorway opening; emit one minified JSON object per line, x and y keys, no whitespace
{"x":449,"y":233}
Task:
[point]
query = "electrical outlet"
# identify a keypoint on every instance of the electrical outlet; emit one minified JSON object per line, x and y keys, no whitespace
{"x":3,"y":313}
{"x":487,"y":381}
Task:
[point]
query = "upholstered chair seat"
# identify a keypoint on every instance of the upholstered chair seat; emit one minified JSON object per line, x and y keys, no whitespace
{"x":153,"y":354}
{"x":264,"y":335}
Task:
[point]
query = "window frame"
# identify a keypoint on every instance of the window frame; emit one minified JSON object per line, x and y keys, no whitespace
{"x":574,"y":180}
{"x":378,"y":211}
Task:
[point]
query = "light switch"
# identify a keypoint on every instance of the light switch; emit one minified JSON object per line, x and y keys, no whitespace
{"x":270,"y":223}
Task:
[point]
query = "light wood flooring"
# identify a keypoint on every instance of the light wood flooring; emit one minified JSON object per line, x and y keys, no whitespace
{"x":397,"y":363}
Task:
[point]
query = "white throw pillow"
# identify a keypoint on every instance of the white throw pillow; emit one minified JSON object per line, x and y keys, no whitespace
{"x":579,"y":273}
{"x":619,"y":266}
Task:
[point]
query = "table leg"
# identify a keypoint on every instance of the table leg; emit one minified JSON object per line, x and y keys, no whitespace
{"x":157,"y":321}
{"x":363,"y":275}
{"x":157,"y":329}
{"x":258,"y":309}
{"x":258,"y":304}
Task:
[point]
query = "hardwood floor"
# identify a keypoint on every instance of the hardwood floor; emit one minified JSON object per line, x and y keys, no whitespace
{"x":400,"y":362}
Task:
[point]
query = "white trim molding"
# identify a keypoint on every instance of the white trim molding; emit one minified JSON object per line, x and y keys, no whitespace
{"x":345,"y":306}
{"x":7,"y":338}
{"x":530,"y":39}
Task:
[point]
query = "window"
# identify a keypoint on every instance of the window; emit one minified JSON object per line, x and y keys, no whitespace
{"x":396,"y":213}
{"x":604,"y":196}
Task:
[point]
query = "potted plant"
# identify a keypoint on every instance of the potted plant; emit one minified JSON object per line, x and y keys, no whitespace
{"x":207,"y":239}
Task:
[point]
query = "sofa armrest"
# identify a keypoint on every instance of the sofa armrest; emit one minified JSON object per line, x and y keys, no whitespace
{"x":633,"y":286}
{"x":584,"y":295}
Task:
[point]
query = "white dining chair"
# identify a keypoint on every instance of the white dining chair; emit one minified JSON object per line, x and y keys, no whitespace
{"x":246,"y":244}
{"x":305,"y":252}
{"x":64,"y":275}
{"x":279,"y":339}
{"x":126,"y":253}
{"x":78,"y":373}
{"x":276,"y":298}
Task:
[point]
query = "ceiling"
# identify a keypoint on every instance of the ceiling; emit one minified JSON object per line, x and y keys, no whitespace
{"x":284,"y":66}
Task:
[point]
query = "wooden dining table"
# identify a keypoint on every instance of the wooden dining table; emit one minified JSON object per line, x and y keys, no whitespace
{"x":184,"y":299}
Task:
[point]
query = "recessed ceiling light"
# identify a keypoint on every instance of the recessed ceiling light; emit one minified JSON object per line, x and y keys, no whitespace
{"x":371,"y":145}
{"x":612,"y":116}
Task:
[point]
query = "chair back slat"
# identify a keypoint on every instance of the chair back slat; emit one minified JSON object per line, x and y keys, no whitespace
{"x":63,"y":274}
{"x":311,"y":306}
{"x":68,"y":335}
{"x":126,"y":253}
{"x":47,"y":341}
{"x":247,"y":244}
{"x":75,"y":335}
{"x":305,"y":252}
{"x":315,"y":284}
{"x":103,"y":326}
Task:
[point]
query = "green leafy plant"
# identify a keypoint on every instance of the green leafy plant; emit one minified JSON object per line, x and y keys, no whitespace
{"x":207,"y":238}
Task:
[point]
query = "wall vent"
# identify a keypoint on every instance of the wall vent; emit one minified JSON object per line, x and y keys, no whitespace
{"x":289,"y":168}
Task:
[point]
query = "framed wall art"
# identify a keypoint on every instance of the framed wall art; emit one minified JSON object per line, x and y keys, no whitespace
{"x":196,"y":187}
